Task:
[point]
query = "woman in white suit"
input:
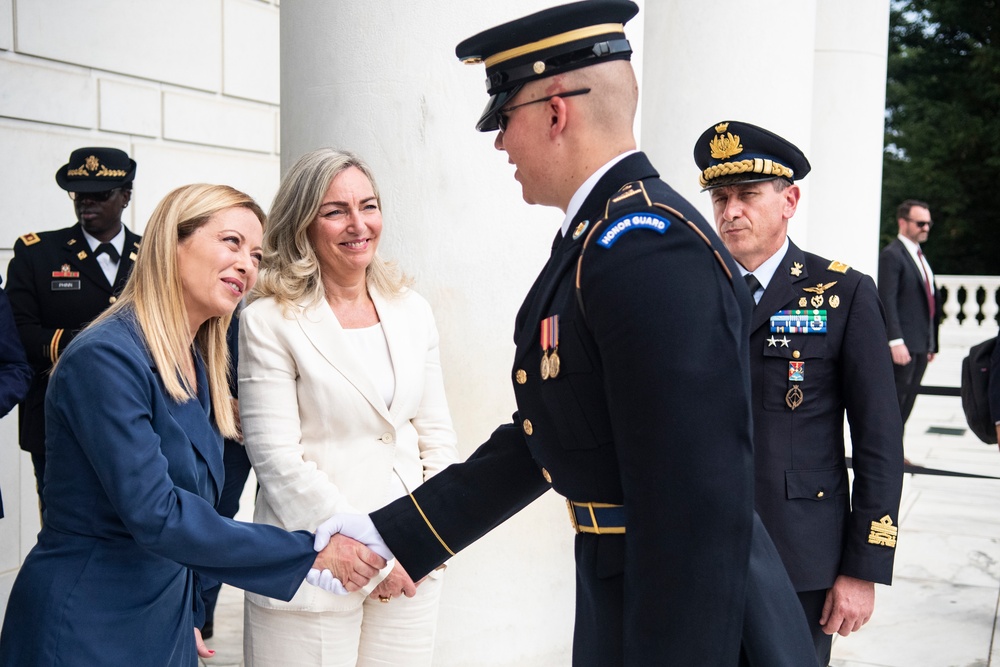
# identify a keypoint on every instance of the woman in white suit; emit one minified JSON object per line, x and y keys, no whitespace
{"x":343,"y":409}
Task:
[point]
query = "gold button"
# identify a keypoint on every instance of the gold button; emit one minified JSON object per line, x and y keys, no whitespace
{"x":112,"y":299}
{"x":546,"y":475}
{"x":386,"y":438}
{"x":820,"y":494}
{"x":527,"y":426}
{"x":521,"y":376}
{"x":796,"y":354}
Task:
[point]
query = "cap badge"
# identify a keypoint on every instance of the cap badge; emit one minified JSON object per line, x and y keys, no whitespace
{"x":538,"y":67}
{"x":725,"y":146}
{"x":92,"y":164}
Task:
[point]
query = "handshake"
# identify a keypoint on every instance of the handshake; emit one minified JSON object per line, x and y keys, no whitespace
{"x":351,"y":552}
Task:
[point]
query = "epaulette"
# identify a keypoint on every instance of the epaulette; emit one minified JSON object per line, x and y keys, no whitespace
{"x":628,"y":209}
{"x":838,"y":267}
{"x":30,"y":239}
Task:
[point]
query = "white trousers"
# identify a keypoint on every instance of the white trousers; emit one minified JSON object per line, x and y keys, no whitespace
{"x":399,"y":633}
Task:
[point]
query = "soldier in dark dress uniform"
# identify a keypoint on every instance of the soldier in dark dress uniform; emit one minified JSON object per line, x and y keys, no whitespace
{"x":59,"y":281}
{"x":630,"y":376}
{"x":817,"y":347}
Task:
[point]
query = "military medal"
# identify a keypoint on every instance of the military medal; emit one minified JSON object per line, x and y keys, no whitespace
{"x":799,"y":321}
{"x":834,"y":301}
{"x":793,"y":398}
{"x":803,"y":303}
{"x":66,"y":272}
{"x":550,"y":347}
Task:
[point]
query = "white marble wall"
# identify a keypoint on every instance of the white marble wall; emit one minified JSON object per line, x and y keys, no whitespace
{"x":188,"y":88}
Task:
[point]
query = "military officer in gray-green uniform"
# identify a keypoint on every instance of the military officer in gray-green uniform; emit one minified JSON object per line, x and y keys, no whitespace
{"x":60,"y":280}
{"x":817,"y":348}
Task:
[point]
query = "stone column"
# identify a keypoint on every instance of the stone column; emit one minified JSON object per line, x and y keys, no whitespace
{"x":813,"y":71}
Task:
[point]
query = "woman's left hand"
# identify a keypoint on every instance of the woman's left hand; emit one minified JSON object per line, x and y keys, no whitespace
{"x":398,"y":583}
{"x":203,"y":651}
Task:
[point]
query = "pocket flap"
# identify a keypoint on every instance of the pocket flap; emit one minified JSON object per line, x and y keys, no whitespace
{"x":818,"y":484}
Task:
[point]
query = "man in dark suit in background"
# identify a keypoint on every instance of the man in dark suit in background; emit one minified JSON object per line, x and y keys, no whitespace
{"x":59,"y":281}
{"x":817,"y":346}
{"x":909,"y":296}
{"x":15,"y":373}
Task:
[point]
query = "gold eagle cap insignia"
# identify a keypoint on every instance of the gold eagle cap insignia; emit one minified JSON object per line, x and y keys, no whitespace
{"x":725,"y":146}
{"x":820,"y":288}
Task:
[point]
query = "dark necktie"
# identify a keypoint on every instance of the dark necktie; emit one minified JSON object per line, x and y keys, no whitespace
{"x":110,"y":249}
{"x":753,"y":284}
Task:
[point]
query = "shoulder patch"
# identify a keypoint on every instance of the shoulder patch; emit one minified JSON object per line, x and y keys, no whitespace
{"x":630,"y":222}
{"x":30,"y":239}
{"x":839,"y":267}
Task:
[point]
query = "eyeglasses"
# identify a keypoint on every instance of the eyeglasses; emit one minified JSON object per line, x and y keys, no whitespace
{"x":503,"y":114}
{"x":96,"y":196}
{"x":921,"y":223}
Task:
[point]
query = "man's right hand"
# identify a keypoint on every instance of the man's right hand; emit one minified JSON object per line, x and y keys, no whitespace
{"x":900,"y":354}
{"x":350,"y":563}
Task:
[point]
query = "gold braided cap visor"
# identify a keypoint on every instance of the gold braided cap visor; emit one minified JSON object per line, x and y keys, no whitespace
{"x":763,"y":166}
{"x":547,"y":43}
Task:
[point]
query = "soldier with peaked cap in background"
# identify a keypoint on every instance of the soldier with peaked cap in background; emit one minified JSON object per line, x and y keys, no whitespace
{"x":59,"y":281}
{"x":817,"y":347}
{"x":630,"y":376}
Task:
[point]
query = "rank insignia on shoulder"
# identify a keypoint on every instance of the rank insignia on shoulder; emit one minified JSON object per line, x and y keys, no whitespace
{"x":839,"y":267}
{"x":883,"y":533}
{"x":580,"y":229}
{"x":631,"y":222}
{"x":796,"y":269}
{"x":30,"y":239}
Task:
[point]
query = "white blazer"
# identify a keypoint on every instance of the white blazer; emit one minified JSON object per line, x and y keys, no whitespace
{"x":316,"y":428}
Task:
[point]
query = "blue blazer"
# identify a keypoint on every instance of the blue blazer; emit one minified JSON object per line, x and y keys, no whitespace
{"x":131,"y":484}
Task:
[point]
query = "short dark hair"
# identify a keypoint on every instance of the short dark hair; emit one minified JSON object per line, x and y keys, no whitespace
{"x":903,"y":210}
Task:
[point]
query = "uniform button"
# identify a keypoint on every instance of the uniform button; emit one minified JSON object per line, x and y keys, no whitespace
{"x":796,"y":354}
{"x":527,"y":426}
{"x":386,"y":438}
{"x":521,"y":376}
{"x":112,"y":299}
{"x":546,"y":475}
{"x":820,"y":494}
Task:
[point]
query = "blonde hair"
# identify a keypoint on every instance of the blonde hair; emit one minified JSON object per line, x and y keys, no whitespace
{"x":155,"y":296}
{"x":291,"y":271}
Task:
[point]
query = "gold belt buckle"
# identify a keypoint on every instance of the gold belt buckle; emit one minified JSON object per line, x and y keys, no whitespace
{"x":572,"y":515}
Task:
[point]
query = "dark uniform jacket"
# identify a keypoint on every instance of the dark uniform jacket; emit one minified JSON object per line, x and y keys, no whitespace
{"x":56,"y":287}
{"x":650,"y":410}
{"x":901,"y":287}
{"x":15,"y":373}
{"x":803,"y":495}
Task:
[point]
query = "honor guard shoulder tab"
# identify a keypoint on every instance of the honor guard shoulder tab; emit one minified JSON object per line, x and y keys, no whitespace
{"x":30,"y":238}
{"x":838,"y":267}
{"x":629,"y":209}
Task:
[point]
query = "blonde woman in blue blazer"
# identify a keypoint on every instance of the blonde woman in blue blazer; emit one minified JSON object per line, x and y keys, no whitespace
{"x":343,"y":409}
{"x":135,"y":413}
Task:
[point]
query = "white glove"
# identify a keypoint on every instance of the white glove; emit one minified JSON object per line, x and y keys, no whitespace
{"x":325,"y":580}
{"x":356,"y":526}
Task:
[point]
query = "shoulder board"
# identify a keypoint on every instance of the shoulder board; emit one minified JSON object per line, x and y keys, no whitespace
{"x":30,"y":239}
{"x":838,"y":267}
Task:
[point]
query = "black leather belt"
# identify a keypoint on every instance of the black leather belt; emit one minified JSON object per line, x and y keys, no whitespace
{"x":597,"y":518}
